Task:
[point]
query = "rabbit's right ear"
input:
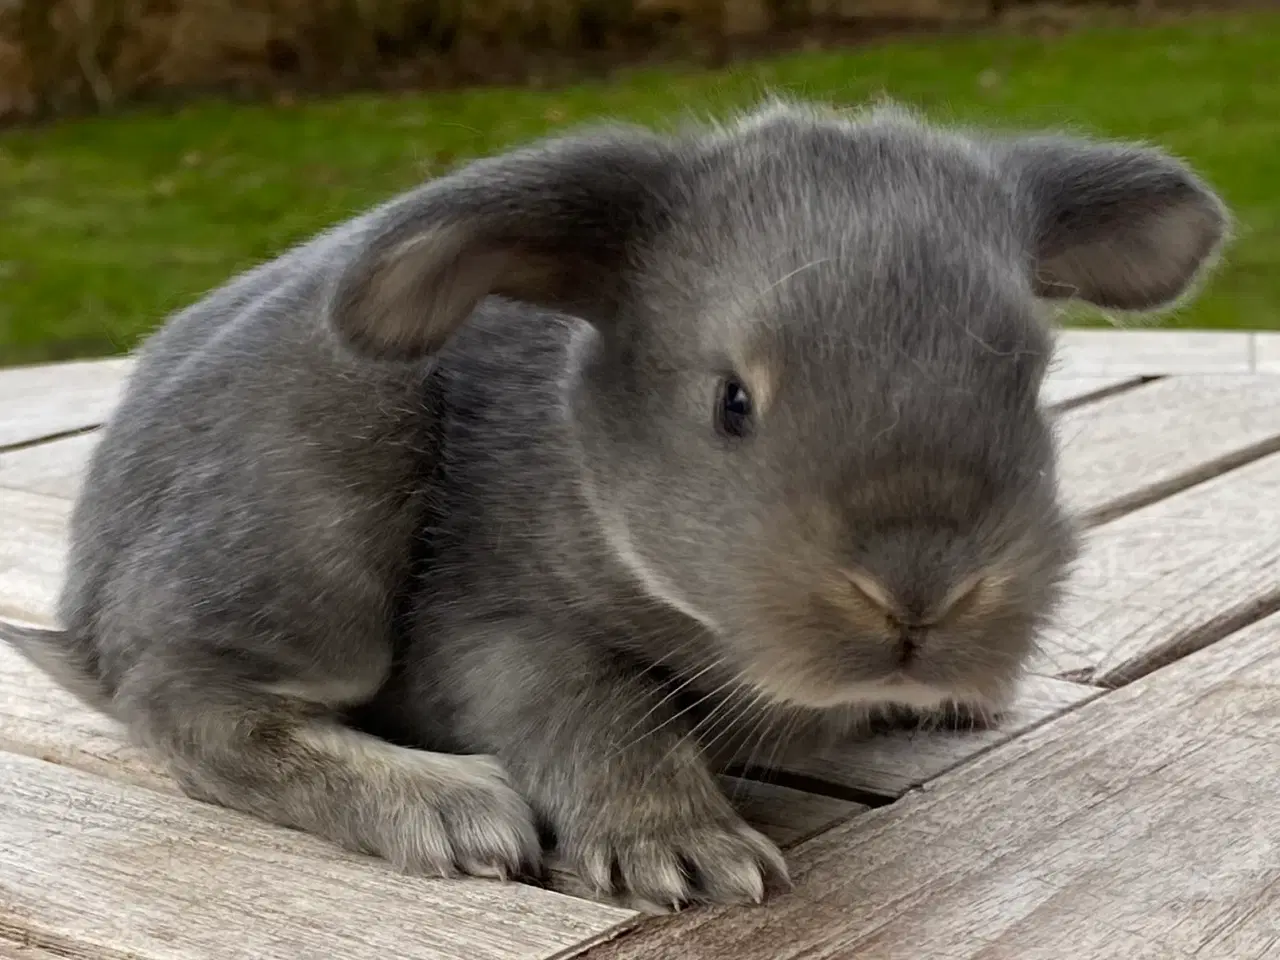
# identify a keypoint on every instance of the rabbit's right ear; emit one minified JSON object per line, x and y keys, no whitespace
{"x":552,"y":225}
{"x":1117,"y":225}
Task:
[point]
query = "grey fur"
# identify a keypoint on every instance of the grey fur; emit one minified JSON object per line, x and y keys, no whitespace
{"x":484,"y":510}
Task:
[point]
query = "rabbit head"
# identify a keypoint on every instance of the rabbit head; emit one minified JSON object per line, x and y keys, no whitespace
{"x":807,"y":416}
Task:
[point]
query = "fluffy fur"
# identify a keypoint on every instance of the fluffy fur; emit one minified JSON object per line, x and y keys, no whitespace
{"x":423,"y":537}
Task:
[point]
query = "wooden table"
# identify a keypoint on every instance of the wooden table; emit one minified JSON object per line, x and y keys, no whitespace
{"x":1130,"y":807}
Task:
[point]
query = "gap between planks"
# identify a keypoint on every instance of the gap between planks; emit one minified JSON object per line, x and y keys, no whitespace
{"x":58,"y":399}
{"x":1060,"y":394}
{"x":1160,"y":437}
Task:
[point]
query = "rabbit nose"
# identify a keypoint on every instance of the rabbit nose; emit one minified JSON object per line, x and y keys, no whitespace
{"x":910,"y":640}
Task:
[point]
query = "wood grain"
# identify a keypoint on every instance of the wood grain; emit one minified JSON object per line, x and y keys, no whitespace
{"x":1170,"y":578}
{"x":17,"y":950}
{"x":1152,"y":353}
{"x":54,"y":467}
{"x":40,"y":719}
{"x":32,"y":554}
{"x":50,"y":399}
{"x":1111,"y":426}
{"x":1142,"y":826}
{"x":152,"y":876}
{"x":1147,"y":442}
{"x":1266,"y":351}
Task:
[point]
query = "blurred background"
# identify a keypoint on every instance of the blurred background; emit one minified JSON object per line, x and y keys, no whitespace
{"x":149,"y":149}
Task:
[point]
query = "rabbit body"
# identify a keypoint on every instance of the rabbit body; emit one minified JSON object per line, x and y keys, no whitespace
{"x":516,"y":508}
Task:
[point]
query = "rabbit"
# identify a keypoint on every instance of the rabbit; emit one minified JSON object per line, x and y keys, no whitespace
{"x":498,"y":519}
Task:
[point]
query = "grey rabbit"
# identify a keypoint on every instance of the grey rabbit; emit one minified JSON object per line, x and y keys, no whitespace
{"x":504,"y":515}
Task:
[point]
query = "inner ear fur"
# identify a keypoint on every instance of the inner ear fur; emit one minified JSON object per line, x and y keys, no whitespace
{"x":1117,"y":225}
{"x":553,"y":225}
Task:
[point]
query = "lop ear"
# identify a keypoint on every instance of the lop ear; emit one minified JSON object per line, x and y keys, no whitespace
{"x":1119,"y":226}
{"x":551,"y":224}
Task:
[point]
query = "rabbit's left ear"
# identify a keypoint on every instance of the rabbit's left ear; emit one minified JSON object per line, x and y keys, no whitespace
{"x":551,"y":224}
{"x":1119,"y":226}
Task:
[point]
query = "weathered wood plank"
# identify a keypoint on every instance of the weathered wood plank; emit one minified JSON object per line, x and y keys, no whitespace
{"x":1147,"y":442}
{"x":1152,"y":353}
{"x":11,"y":950}
{"x":54,"y":468}
{"x":46,"y":400}
{"x":32,"y":554}
{"x":40,"y":719}
{"x":1142,"y":825}
{"x":1266,"y":351}
{"x":153,"y":876}
{"x":1069,"y":391}
{"x":1170,"y":577}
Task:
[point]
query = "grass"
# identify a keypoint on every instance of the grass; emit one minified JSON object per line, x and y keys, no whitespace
{"x":109,"y":223}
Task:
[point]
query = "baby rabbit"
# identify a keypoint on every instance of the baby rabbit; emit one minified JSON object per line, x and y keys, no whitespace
{"x":518,"y":506}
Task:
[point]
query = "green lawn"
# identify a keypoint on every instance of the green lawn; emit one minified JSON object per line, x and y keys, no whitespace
{"x":106,"y":224}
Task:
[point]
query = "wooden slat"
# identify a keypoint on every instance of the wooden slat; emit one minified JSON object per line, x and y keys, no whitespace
{"x":50,"y":399}
{"x":32,"y":554}
{"x":39,"y":719}
{"x":1266,"y":352}
{"x":1140,"y":827}
{"x":1064,"y":391}
{"x":891,"y":764}
{"x":1149,"y":441}
{"x":52,"y":725}
{"x":1171,"y":577}
{"x":152,"y":876}
{"x":54,"y":468}
{"x":1152,"y":353}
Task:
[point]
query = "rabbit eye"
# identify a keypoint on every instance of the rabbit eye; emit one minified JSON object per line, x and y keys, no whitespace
{"x":735,"y":408}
